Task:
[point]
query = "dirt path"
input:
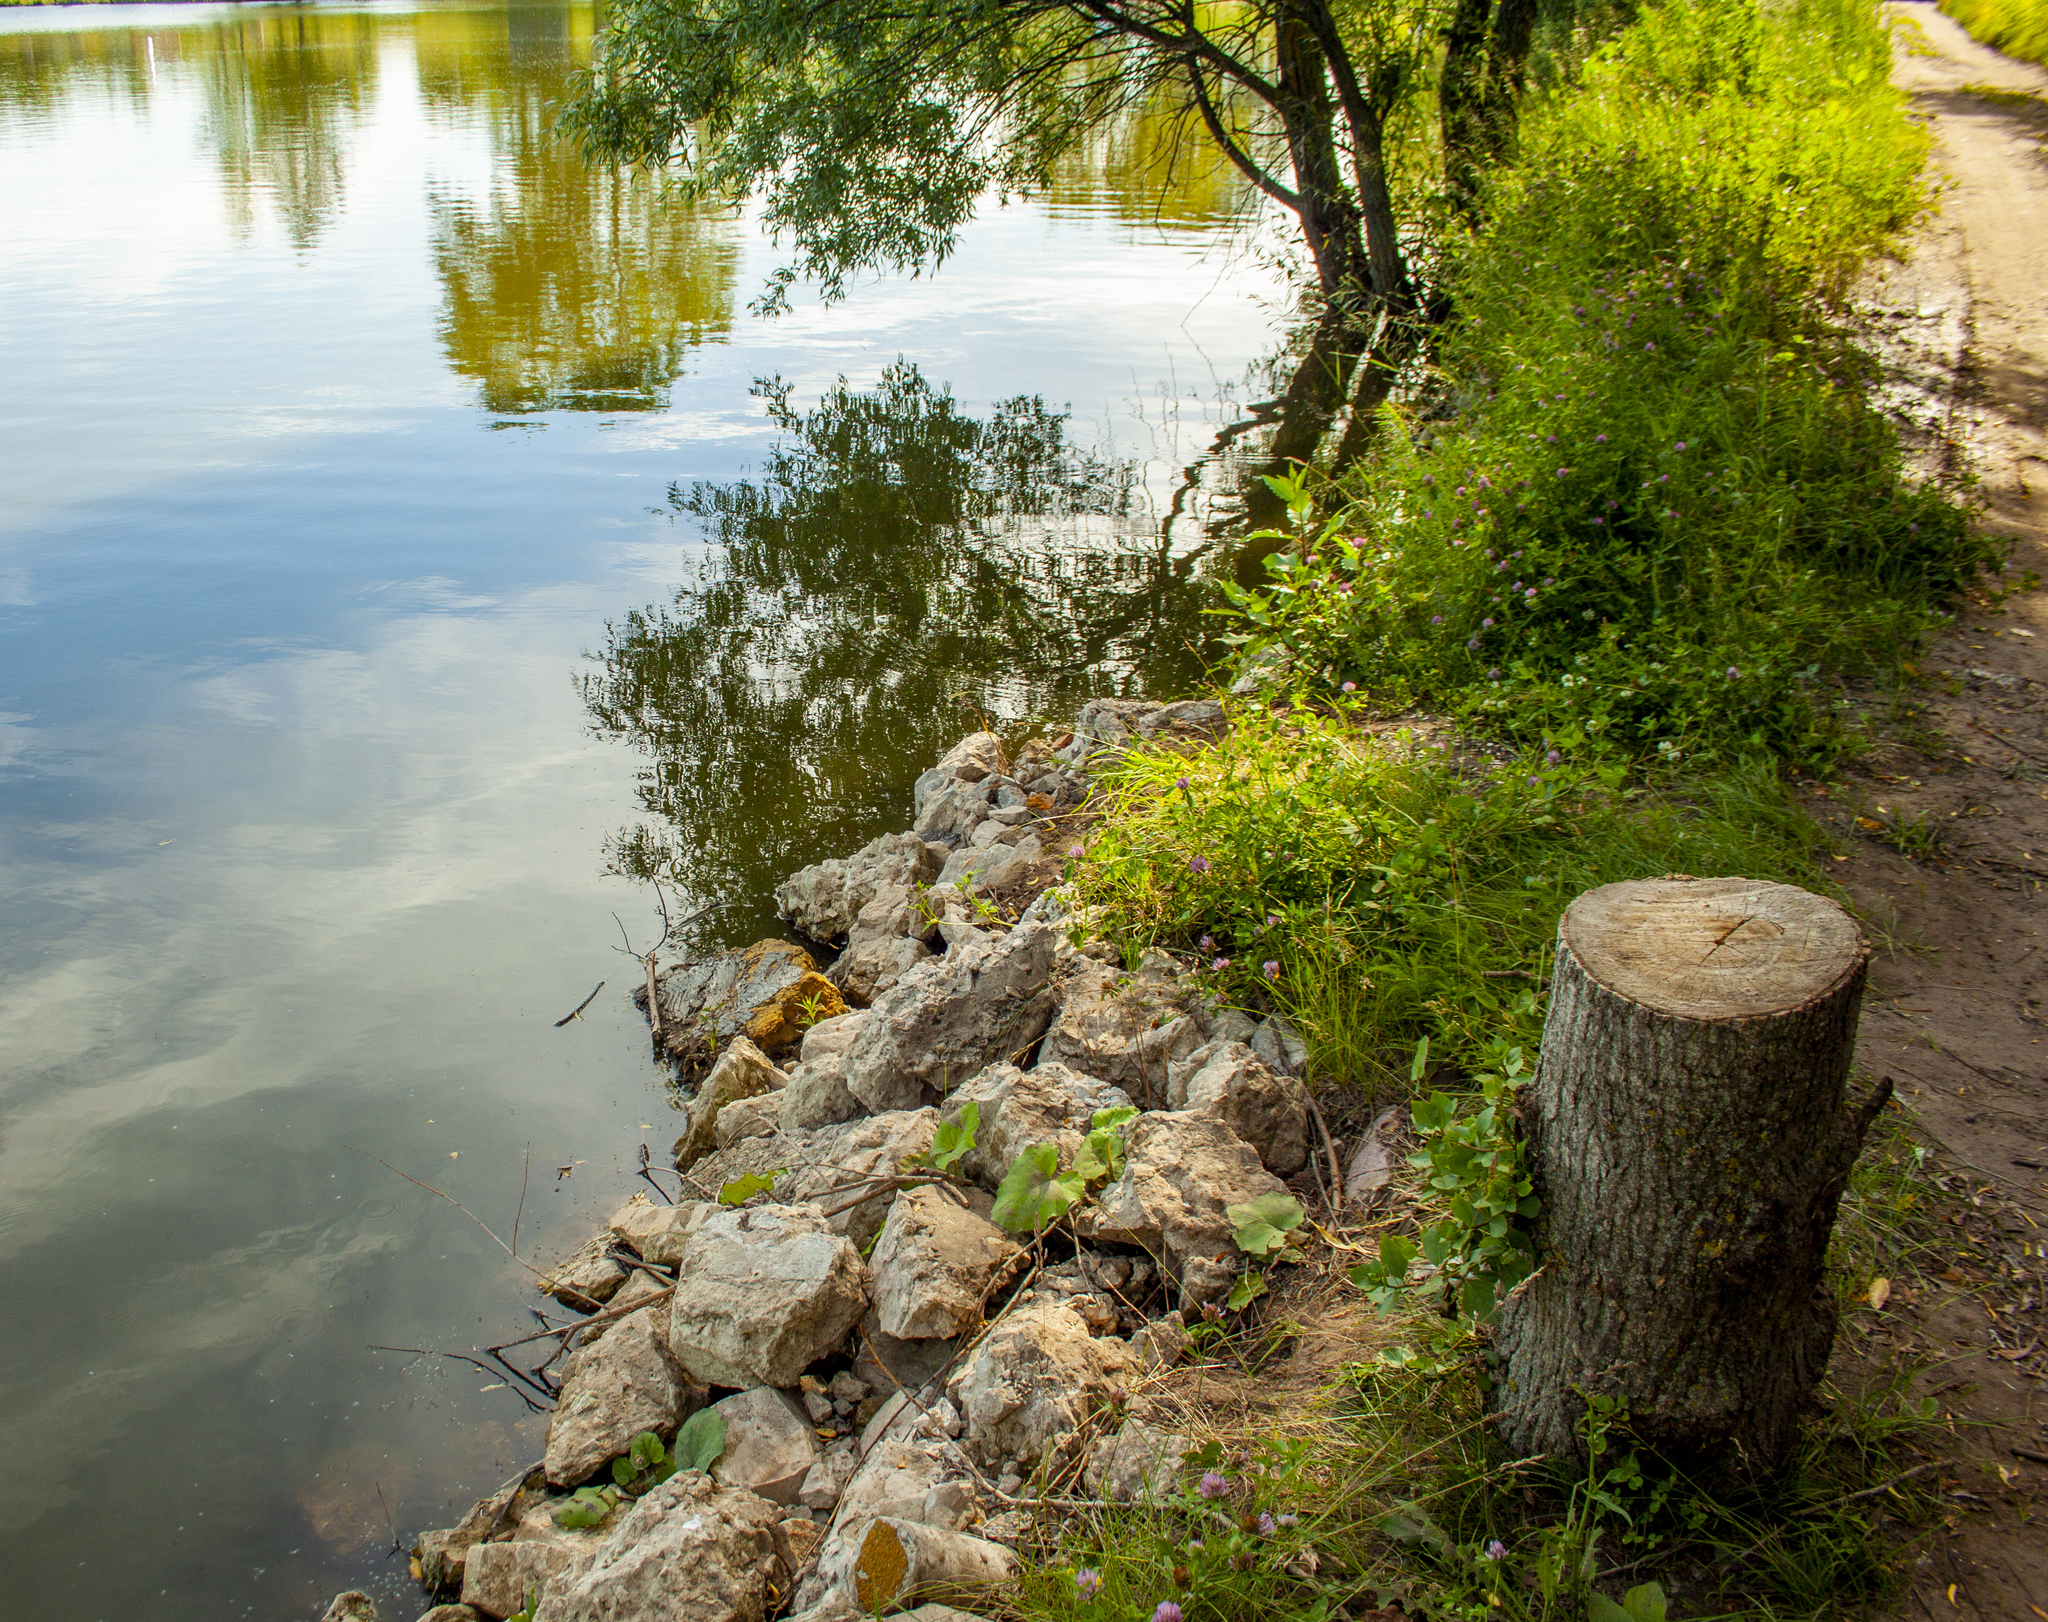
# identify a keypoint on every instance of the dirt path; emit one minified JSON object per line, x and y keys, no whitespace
{"x":1949,"y":841}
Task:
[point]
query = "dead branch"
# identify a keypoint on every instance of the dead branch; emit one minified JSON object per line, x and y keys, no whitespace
{"x":452,"y":1200}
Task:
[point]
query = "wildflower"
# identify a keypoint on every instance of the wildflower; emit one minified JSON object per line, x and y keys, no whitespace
{"x":1208,"y":943}
{"x":1486,"y":625}
{"x":1075,"y":850}
{"x":1220,"y":965}
{"x":1290,"y":1520}
{"x":1495,"y":1550}
{"x":1494,"y":674}
{"x":1436,"y":619}
{"x":1088,"y":1582}
{"x":1272,"y":969}
{"x":1214,"y":1485}
{"x":1195,"y":1545}
{"x":1198,"y":864}
{"x":1550,"y":580}
{"x":1272,"y":918}
{"x":1648,"y":347}
{"x":1552,"y":758}
{"x":1167,"y":1612}
{"x":1552,"y":438}
{"x":1733,"y":673}
{"x":1662,"y":478}
{"x":1579,"y":311}
{"x":1599,"y":520}
{"x":1462,"y":490}
{"x":1268,"y":1527}
{"x":1429,"y":479}
{"x":1473,"y":644}
{"x":1561,"y":472}
{"x":1351,"y":687}
{"x":1180,"y":782}
{"x":1599,"y":439}
{"x":1529,"y":596}
{"x":1679,"y":446}
{"x":1913,"y":529}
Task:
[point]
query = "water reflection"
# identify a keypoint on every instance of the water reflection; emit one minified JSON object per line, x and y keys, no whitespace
{"x":898,"y":571}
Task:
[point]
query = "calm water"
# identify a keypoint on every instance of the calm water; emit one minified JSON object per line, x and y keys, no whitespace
{"x":399,"y":561}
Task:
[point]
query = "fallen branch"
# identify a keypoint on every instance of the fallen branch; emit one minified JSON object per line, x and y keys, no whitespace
{"x":452,"y":1200}
{"x":1870,"y":1492}
{"x":577,"y":1011}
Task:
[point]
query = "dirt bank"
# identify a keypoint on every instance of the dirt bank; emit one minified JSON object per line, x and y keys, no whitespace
{"x":1949,"y":835}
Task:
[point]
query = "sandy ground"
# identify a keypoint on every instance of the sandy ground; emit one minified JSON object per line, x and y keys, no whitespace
{"x":1953,"y":1014}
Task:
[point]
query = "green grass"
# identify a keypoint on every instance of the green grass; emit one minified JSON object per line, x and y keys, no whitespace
{"x":1623,"y":552}
{"x":2016,"y":27}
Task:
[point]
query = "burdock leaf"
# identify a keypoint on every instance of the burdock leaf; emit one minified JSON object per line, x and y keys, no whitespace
{"x":1033,"y":1193}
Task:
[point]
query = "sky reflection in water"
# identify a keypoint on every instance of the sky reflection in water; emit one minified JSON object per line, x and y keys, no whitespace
{"x":351,"y":635}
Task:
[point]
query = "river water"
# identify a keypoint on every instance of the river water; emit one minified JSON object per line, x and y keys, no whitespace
{"x":401,"y":560}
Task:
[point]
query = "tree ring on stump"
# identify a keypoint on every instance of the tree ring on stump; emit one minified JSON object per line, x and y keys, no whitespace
{"x":1712,"y":948}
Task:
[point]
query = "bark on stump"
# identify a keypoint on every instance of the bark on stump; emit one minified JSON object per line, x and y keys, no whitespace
{"x":1690,"y":1138}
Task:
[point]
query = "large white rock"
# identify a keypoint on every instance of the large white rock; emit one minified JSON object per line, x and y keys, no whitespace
{"x":978,"y":755}
{"x":839,"y":1158}
{"x":611,"y":1391}
{"x":892,"y":914}
{"x":1017,"y":1108}
{"x":1139,"y":1461}
{"x":950,"y":1016}
{"x":690,"y":1551}
{"x":1181,"y":1171}
{"x":950,"y":816}
{"x":824,"y":900}
{"x":658,"y":1233}
{"x":935,"y":1263}
{"x":1108,"y":727}
{"x":501,"y":1577}
{"x":352,"y":1606}
{"x":992,"y":866}
{"x":1124,"y":1028}
{"x":816,"y":1095}
{"x":1268,"y":1110}
{"x":1281,"y":1046}
{"x":769,"y":1444}
{"x":762,"y":1294}
{"x":1032,"y":1385}
{"x":871,"y":967}
{"x":759,"y":993}
{"x":742,"y":1071}
{"x":586,"y":1280}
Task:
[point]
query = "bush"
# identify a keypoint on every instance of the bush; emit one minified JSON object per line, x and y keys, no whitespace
{"x":2016,"y":27}
{"x":1654,"y":510}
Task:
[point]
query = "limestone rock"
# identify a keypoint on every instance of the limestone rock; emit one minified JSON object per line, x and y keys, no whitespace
{"x":823,"y":901}
{"x":762,"y":1294}
{"x":899,"y":1558}
{"x":1124,"y":1028}
{"x":868,"y":970}
{"x":780,"y":1023}
{"x":1180,"y":1172}
{"x":1139,"y":1461}
{"x":625,"y":1384}
{"x":756,"y":993}
{"x":353,"y":1606}
{"x":914,"y":1363}
{"x":992,"y":866}
{"x":1281,"y":1046}
{"x":1017,"y":1108}
{"x":440,"y":1554}
{"x":952,"y":814}
{"x":690,"y":1551}
{"x":451,"y":1613}
{"x":934,"y":1265}
{"x":816,"y":1096}
{"x":950,"y":1016}
{"x":892,"y":914}
{"x":825,"y":1482}
{"x":758,"y":1117}
{"x":586,"y":1280}
{"x":1032,"y":1385}
{"x":1109,"y":726}
{"x":657,"y":1233}
{"x":978,"y":755}
{"x":769,"y":1444}
{"x":742,"y":1071}
{"x":501,"y":1577}
{"x":1162,"y":1343}
{"x":641,"y":1287}
{"x":874,"y":1147}
{"x":1220,"y":1024}
{"x":1266,"y":1109}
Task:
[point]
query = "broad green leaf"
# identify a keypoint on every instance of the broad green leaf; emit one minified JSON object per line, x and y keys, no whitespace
{"x":742,"y":1189}
{"x":1101,"y":1158}
{"x":1411,"y":1525}
{"x":701,"y":1440}
{"x":955,"y":1137}
{"x":1420,"y":1063}
{"x":1033,"y":1193}
{"x":1476,"y":1298}
{"x":646,"y":1451}
{"x":1112,"y":1120}
{"x":587,"y":1506}
{"x":1396,"y":1252}
{"x":1249,"y":1287}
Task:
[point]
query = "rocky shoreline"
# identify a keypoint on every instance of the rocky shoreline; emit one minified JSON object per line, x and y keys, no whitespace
{"x":885,"y":1367}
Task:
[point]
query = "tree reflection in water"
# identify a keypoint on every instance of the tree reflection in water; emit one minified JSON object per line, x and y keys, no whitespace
{"x":898,"y":573}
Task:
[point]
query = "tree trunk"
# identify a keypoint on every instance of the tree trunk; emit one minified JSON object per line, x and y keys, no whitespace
{"x":1690,"y":1137}
{"x":1461,"y":101}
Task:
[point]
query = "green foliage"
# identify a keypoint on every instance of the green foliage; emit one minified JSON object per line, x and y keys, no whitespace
{"x":646,"y":1464}
{"x":1643,"y":1603}
{"x":954,"y":1138}
{"x":1476,"y":1166}
{"x":1033,"y":1194}
{"x":1266,"y":1225}
{"x":742,"y":1189}
{"x":2016,"y":27}
{"x":700,"y":1441}
{"x":1662,"y":514}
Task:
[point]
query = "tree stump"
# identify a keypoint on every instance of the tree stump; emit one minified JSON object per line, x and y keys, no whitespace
{"x":1690,"y":1137}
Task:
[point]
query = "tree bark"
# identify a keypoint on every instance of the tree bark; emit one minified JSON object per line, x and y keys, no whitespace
{"x":1690,"y":1137}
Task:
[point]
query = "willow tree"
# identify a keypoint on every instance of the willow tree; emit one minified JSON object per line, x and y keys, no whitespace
{"x":870,"y":130}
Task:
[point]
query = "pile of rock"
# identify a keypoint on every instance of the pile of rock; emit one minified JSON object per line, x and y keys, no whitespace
{"x":889,"y":1375}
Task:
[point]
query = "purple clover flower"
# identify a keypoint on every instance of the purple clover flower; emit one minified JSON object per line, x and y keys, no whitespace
{"x":1268,"y":1527}
{"x":1496,"y":1550}
{"x":1733,"y":673}
{"x":1208,"y":943}
{"x":1272,"y":969}
{"x":1599,"y":439}
{"x":1075,"y":850}
{"x":1679,"y":446}
{"x":1167,"y":1612}
{"x":1220,"y":965}
{"x":1213,"y":1484}
{"x":1553,"y":757}
{"x":1486,"y":625}
{"x":1351,"y":687}
{"x":1180,"y":782}
{"x":1473,"y":644}
{"x":1198,"y":864}
{"x":1436,"y":619}
{"x":1088,"y":1582}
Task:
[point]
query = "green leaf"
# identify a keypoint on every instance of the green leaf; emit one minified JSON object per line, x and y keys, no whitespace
{"x":1411,"y":1525}
{"x":955,"y":1137}
{"x":646,"y":1451}
{"x":587,"y":1506}
{"x":1101,"y":1158}
{"x":1033,"y":1193}
{"x":1396,"y":1252}
{"x":1420,"y":1063}
{"x":701,"y":1440}
{"x":742,"y":1189}
{"x":1475,"y":1299}
{"x":1249,"y":1287}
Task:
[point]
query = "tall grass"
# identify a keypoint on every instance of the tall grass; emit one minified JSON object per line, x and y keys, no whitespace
{"x":2016,"y":27}
{"x":1649,"y":506}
